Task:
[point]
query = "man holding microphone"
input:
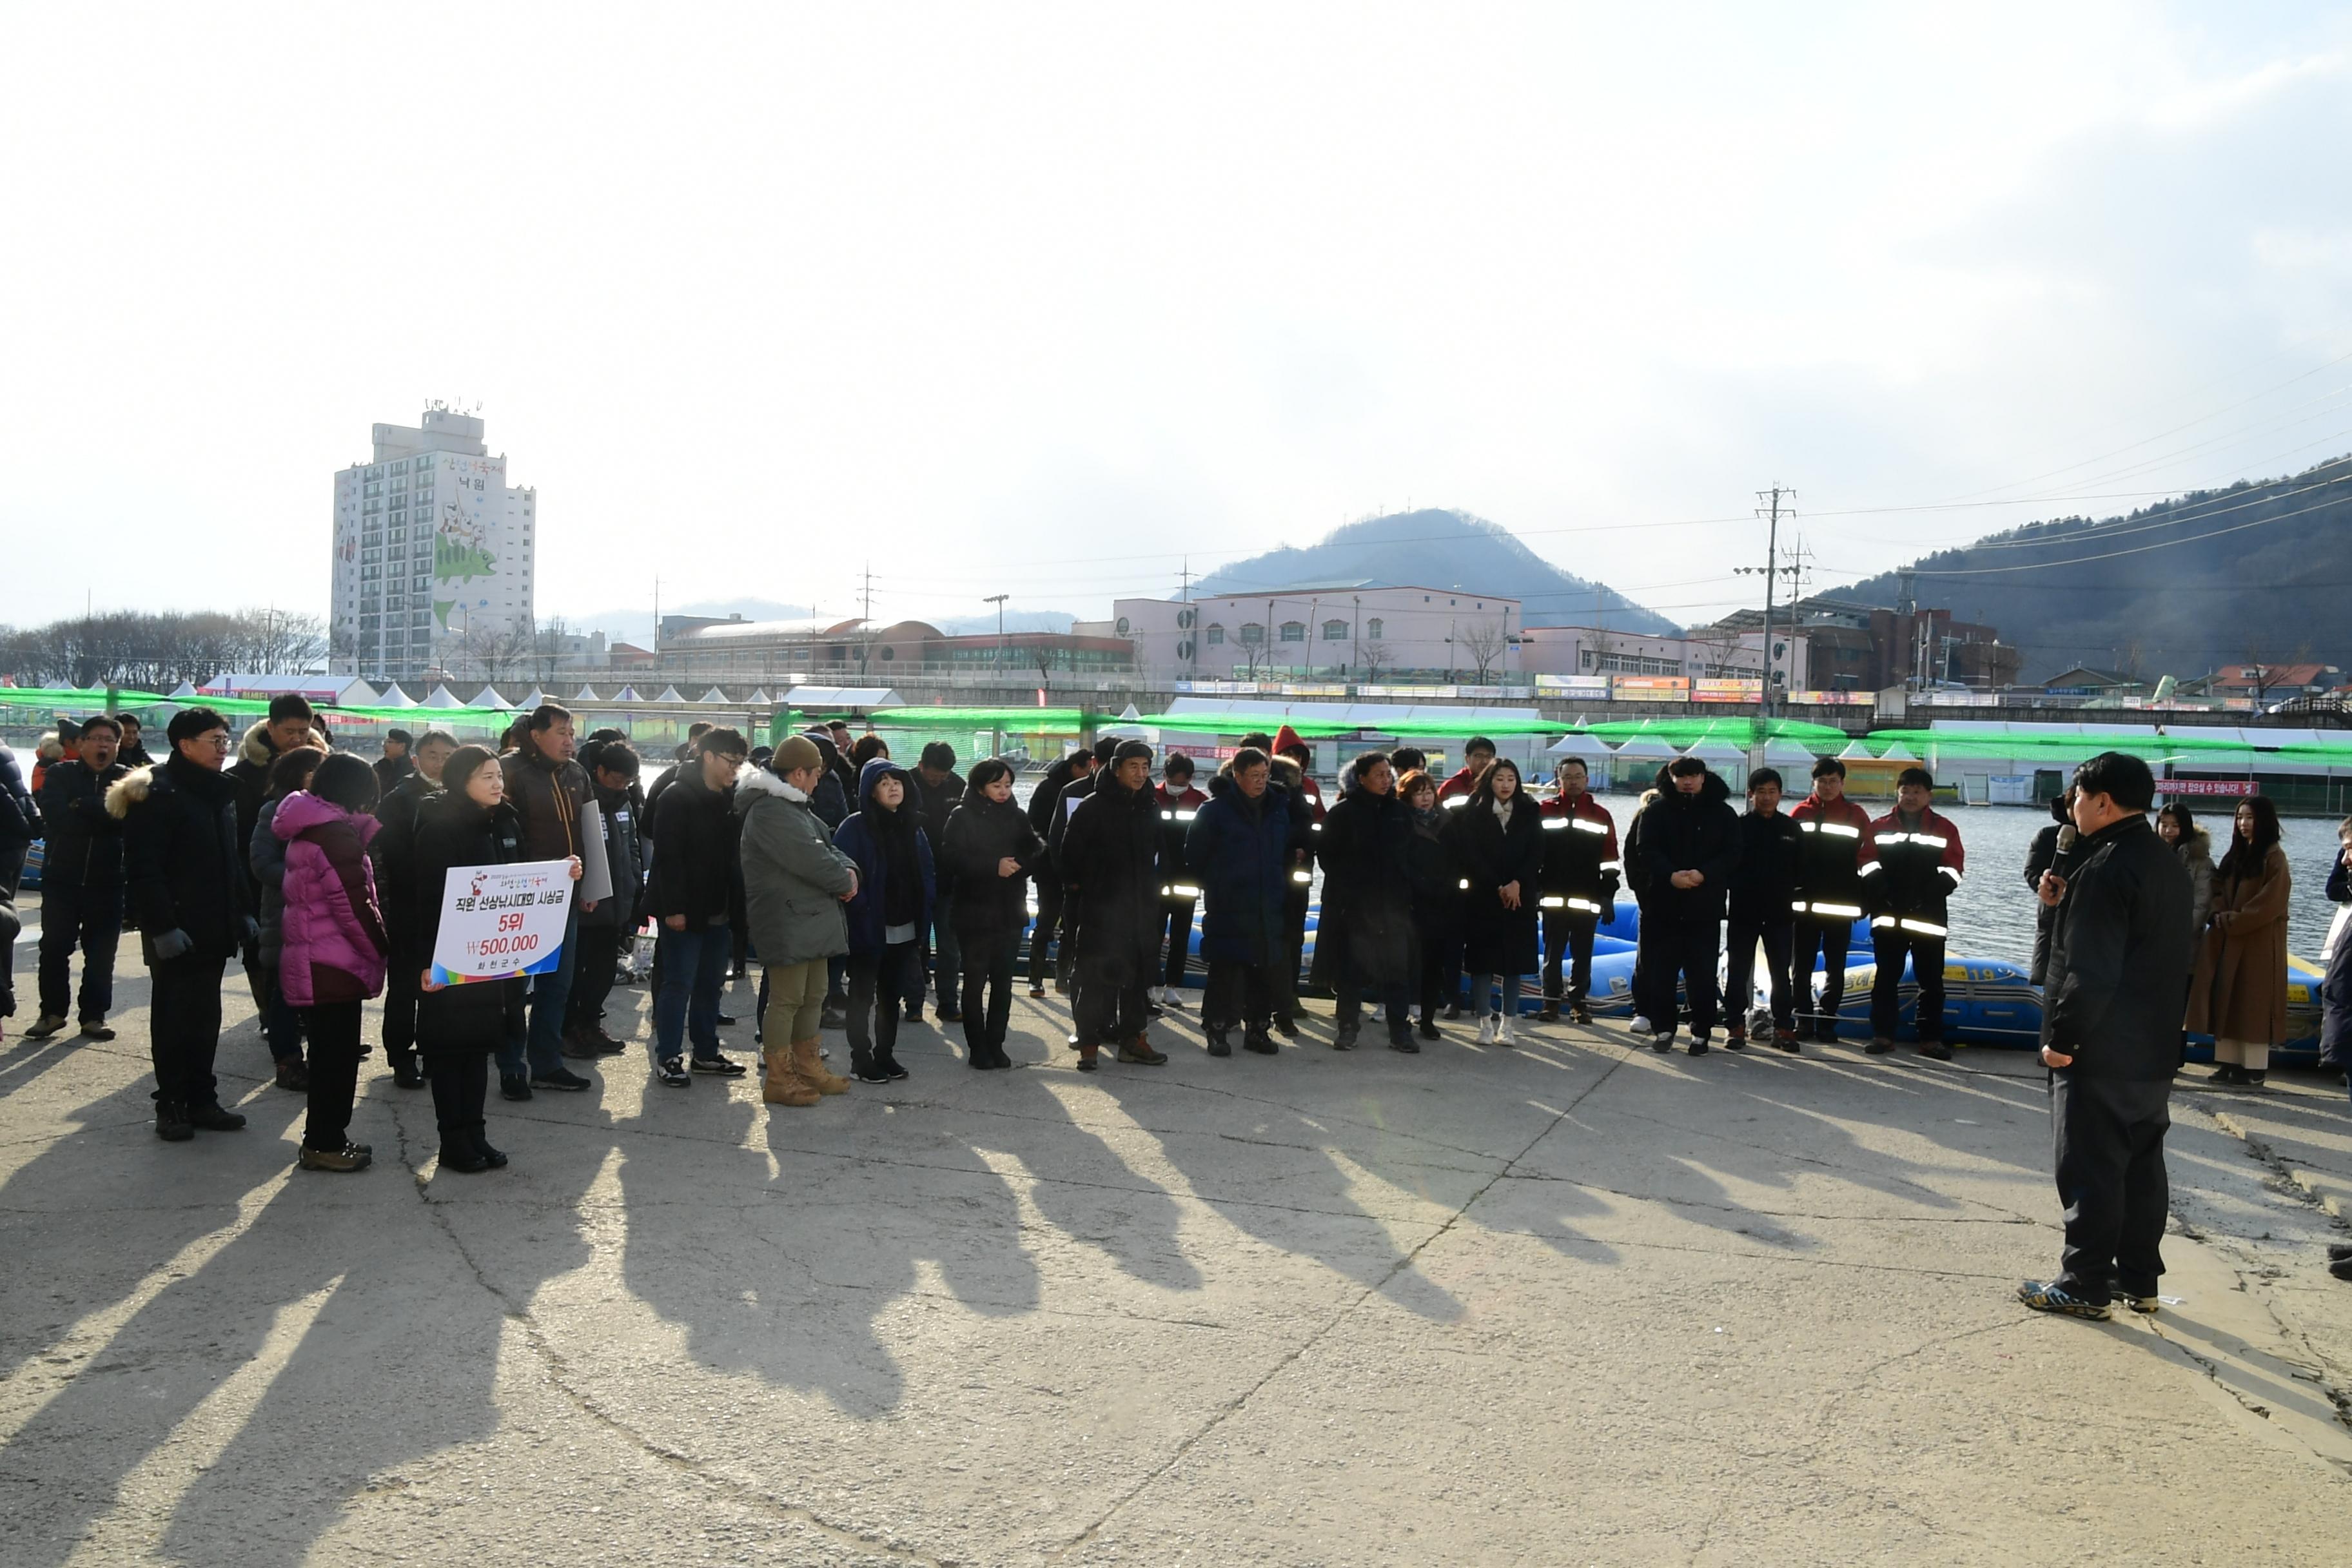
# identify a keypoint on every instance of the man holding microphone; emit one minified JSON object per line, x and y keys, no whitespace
{"x":2111,"y":1039}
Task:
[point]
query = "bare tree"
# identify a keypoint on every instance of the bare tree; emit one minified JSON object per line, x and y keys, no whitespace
{"x":1486,"y":642}
{"x":1376,"y":654}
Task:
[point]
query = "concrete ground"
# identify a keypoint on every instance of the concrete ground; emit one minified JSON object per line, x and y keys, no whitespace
{"x":1575,"y":1302}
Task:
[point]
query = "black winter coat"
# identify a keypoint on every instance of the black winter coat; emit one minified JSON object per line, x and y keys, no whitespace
{"x":20,"y":817}
{"x":1689,"y":833}
{"x":1239,"y":853}
{"x":393,"y":851}
{"x":182,"y":869}
{"x":1110,"y":855}
{"x":451,"y":831}
{"x":1435,"y":874}
{"x":84,"y":846}
{"x":2335,"y":986}
{"x":1367,"y":888}
{"x":2115,"y":991}
{"x":1496,"y":940}
{"x":1044,"y":800}
{"x":981,"y":832}
{"x":625,"y":852}
{"x":694,"y":851}
{"x":1770,"y":860}
{"x":937,"y":805}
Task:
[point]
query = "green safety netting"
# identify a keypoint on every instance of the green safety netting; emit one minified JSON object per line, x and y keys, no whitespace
{"x":2185,"y":744}
{"x":1686,"y":732}
{"x":1023,"y":721}
{"x":72,"y":699}
{"x":1210,"y":721}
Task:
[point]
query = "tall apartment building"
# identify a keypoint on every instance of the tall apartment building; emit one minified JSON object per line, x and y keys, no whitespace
{"x":432,"y":552}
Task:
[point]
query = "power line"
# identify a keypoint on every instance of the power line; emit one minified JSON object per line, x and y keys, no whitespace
{"x":2110,"y":554}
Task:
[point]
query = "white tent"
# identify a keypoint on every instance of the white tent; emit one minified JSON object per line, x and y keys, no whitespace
{"x":628,"y":694}
{"x":1592,"y":748}
{"x":488,"y":697}
{"x":670,"y":694}
{"x":1783,"y":753}
{"x":1130,"y":716}
{"x":758,"y":698}
{"x":441,"y":697}
{"x":1856,"y":752}
{"x":1896,"y":753}
{"x":394,"y":697}
{"x":831,"y":697}
{"x":586,"y":694}
{"x":532,"y":698}
{"x":184,"y":690}
{"x":713,"y":695}
{"x":1646,"y":749}
{"x":1718,"y":751}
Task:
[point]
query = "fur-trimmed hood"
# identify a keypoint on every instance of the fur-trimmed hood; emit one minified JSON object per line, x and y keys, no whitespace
{"x":2198,"y":846}
{"x":129,"y":790}
{"x":753,"y":780}
{"x":257,"y":750}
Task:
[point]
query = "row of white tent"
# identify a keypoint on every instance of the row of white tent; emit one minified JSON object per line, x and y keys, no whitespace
{"x":359,"y":695}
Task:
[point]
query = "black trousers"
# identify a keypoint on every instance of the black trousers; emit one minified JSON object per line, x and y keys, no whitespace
{"x":878,"y":985}
{"x":1052,"y":903}
{"x":1177,"y":934}
{"x":591,"y":976}
{"x":987,"y":1004}
{"x":460,"y":1086}
{"x":183,"y":1024}
{"x":1441,"y":963}
{"x":1107,"y":1014}
{"x":1829,"y":937}
{"x":2108,"y":1135}
{"x":335,"y":1052}
{"x":1294,"y":930}
{"x":1890,"y":944}
{"x":1568,"y":933}
{"x":1244,"y":993}
{"x":401,"y":995}
{"x":1675,"y":944}
{"x":90,"y":918}
{"x":1395,"y":996}
{"x":1778,"y":939}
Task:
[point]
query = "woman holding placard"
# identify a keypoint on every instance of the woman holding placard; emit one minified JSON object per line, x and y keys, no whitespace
{"x":458,"y":1026}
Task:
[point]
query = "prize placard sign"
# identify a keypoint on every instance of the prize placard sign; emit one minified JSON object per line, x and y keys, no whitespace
{"x":499,"y":922}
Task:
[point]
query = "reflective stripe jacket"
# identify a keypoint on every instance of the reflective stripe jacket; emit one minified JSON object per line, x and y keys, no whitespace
{"x":1581,"y":867}
{"x":1176,"y":813}
{"x":1830,"y":836}
{"x":1907,"y":875}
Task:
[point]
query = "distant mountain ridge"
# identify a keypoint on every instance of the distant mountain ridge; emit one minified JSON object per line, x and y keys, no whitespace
{"x":1439,"y":548}
{"x":2258,"y":572}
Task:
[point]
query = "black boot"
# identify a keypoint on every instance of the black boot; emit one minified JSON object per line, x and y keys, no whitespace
{"x":212,"y":1118}
{"x":1220,"y":1042}
{"x":171,"y":1122}
{"x":865,"y":1069}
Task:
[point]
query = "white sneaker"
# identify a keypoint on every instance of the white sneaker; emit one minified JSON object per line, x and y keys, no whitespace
{"x":1503,"y":1036}
{"x":1641,"y":1025}
{"x":1486,"y":1024}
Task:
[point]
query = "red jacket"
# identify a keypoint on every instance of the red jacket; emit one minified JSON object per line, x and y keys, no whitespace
{"x":1461,"y":783}
{"x":1829,"y":856}
{"x":1581,"y":864}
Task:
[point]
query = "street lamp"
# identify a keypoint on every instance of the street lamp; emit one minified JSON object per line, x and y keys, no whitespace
{"x":998,"y":600}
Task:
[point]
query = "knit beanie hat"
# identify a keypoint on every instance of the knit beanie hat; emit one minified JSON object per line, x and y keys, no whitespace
{"x":798,"y":752}
{"x":1131,"y":749}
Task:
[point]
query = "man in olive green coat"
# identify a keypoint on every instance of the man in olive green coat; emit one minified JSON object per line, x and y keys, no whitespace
{"x":794,"y":884}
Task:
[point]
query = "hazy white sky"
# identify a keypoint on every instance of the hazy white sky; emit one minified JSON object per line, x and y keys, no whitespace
{"x":1035,"y":299}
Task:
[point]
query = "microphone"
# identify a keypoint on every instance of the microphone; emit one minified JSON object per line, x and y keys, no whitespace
{"x":2066,"y":836}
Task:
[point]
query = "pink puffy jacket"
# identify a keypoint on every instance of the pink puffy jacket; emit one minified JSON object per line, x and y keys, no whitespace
{"x":334,"y":936}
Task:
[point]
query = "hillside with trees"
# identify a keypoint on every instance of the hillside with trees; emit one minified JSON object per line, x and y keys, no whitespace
{"x":1440,"y":549}
{"x":2254,"y":573}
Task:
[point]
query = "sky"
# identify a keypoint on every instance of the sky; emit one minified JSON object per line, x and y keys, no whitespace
{"x":1052,"y":300}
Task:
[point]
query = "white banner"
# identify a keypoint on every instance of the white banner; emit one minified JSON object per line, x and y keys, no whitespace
{"x":499,"y":922}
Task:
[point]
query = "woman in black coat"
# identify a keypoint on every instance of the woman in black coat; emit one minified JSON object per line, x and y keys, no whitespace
{"x":1433,"y":877}
{"x":1366,"y":921}
{"x":470,"y":823}
{"x":1499,"y":839}
{"x":989,"y":849}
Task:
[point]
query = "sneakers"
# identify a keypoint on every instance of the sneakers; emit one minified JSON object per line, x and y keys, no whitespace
{"x":892,"y":1070}
{"x":514,"y":1086}
{"x":725,"y":1066}
{"x":350,"y":1157}
{"x":1257,"y":1041}
{"x":1663,"y":1041}
{"x":1452,"y":1011}
{"x":1221,"y":1043}
{"x":407,"y":1075}
{"x":1036,"y":989}
{"x":48,"y":1024}
{"x":1486,"y":1029}
{"x":1137,"y":1052}
{"x":212,"y":1119}
{"x":293,"y":1074}
{"x":1343,"y":1038}
{"x":1579,"y":1012}
{"x":2049,"y":1295}
{"x":866,"y":1069}
{"x":171,"y":1122}
{"x":1936,"y":1050}
{"x":1786,"y":1040}
{"x":1698,"y":1045}
{"x":1086,"y":1061}
{"x":1879,"y":1046}
{"x":1503,"y":1027}
{"x":2121,"y":1297}
{"x":673,"y":1072}
{"x":463,"y":1155}
{"x":1642,"y":1025}
{"x":1286,"y":1027}
{"x":95,"y":1030}
{"x":561,"y":1078}
{"x":1402,"y":1040}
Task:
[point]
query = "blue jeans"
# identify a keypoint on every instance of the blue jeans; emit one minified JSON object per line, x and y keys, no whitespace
{"x":694,"y":971}
{"x":549,"y":995}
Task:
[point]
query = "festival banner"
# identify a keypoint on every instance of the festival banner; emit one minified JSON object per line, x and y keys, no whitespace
{"x":1594,"y":687}
{"x":1727,"y":691}
{"x":2225,"y":787}
{"x":500,"y":921}
{"x":1650,"y":688}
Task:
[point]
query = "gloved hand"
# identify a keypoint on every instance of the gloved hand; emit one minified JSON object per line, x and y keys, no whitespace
{"x":174,"y":944}
{"x":248,"y":931}
{"x":1608,"y":909}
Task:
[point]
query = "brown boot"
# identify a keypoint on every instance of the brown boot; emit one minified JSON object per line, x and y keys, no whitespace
{"x":811,"y":1069}
{"x":781,"y":1086}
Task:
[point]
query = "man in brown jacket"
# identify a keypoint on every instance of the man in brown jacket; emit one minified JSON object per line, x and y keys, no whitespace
{"x":549,"y":792}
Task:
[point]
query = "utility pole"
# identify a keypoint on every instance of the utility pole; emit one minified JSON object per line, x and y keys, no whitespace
{"x":865,"y":632}
{"x":998,"y":600}
{"x":1772,"y":568}
{"x":1189,"y":625}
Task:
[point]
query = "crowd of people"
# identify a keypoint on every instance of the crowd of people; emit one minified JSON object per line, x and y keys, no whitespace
{"x":864,"y":888}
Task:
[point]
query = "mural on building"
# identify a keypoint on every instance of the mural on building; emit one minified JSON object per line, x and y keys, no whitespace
{"x":462,"y":542}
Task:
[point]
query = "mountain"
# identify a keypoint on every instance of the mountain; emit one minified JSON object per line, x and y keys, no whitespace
{"x":2255,"y":572}
{"x":637,"y":626}
{"x":1437,"y":548}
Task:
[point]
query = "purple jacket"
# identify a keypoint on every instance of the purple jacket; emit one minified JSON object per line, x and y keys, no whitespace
{"x":334,"y":936}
